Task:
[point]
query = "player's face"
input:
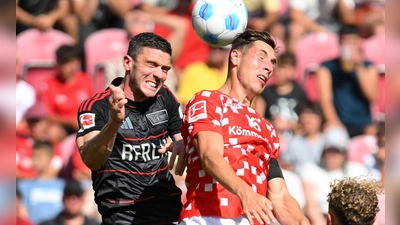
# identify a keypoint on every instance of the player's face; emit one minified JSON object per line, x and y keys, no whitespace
{"x":256,"y":67}
{"x":149,"y":72}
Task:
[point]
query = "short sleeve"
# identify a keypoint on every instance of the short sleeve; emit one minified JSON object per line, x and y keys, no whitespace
{"x":203,"y":113}
{"x":92,"y":116}
{"x":174,"y":113}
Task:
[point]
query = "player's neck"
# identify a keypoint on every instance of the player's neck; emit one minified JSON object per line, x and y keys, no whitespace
{"x":128,"y":91}
{"x":236,"y":91}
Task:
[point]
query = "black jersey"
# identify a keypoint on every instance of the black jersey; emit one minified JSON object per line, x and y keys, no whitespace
{"x":134,"y":185}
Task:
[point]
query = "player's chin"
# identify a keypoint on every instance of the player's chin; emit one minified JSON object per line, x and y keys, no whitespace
{"x":150,"y":91}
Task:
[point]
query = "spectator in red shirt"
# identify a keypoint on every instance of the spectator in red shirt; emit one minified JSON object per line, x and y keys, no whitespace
{"x":63,"y":93}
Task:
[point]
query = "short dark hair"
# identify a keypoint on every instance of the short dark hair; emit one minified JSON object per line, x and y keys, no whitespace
{"x":287,"y":58}
{"x":246,"y":39}
{"x":150,"y":40}
{"x":43,"y":145}
{"x":310,"y":107}
{"x":67,"y":53}
{"x":348,"y":29}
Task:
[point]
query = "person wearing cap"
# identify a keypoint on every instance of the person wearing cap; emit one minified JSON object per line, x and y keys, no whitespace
{"x":333,"y":165}
{"x":73,"y":200}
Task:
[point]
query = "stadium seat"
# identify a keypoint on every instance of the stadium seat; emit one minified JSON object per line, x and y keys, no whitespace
{"x":104,"y":45}
{"x":374,"y":49}
{"x":313,"y":49}
{"x":361,"y":148}
{"x":36,"y":53}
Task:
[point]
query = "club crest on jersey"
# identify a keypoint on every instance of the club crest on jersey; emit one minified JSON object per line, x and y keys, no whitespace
{"x":197,"y":111}
{"x":158,"y":117}
{"x":87,"y":120}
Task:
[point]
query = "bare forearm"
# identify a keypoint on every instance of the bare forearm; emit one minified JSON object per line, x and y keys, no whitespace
{"x":120,"y":7}
{"x":368,"y":80}
{"x":305,"y":21}
{"x":287,"y":211}
{"x":97,"y":150}
{"x":347,"y":15}
{"x":85,"y":9}
{"x":24,"y":17}
{"x":61,"y":10}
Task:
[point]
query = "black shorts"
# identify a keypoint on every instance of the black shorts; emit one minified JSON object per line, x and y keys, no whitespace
{"x":153,"y":211}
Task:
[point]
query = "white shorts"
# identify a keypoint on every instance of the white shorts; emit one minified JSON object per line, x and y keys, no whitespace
{"x":206,"y":220}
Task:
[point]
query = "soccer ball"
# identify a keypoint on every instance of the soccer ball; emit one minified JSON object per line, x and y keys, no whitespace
{"x":217,"y":22}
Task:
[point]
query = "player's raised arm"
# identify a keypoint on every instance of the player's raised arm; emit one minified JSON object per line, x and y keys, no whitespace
{"x":96,"y":146}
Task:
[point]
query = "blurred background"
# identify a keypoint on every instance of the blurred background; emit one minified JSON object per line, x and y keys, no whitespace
{"x":326,"y":98}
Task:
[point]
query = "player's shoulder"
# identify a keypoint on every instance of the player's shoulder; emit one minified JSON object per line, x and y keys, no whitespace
{"x":96,"y":101}
{"x":205,"y":95}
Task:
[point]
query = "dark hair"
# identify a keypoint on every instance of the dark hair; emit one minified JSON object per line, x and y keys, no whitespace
{"x":310,"y":107}
{"x":348,"y":29}
{"x":149,"y":40}
{"x":243,"y":41}
{"x":67,"y":53}
{"x":287,"y":58}
{"x":43,"y":145}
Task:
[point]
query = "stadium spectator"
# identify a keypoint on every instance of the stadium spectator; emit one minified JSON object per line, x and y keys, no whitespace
{"x":307,"y":145}
{"x":73,"y":200}
{"x":42,"y":195}
{"x":318,"y":16}
{"x":45,"y":15}
{"x":284,"y":95}
{"x":347,"y":85}
{"x":201,"y":75}
{"x":21,"y":212}
{"x":63,"y":93}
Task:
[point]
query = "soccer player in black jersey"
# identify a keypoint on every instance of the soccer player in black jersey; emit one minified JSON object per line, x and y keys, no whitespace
{"x":123,"y":139}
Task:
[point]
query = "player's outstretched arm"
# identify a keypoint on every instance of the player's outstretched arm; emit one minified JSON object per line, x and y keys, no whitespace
{"x":210,"y":146}
{"x":96,"y":146}
{"x":286,"y":209}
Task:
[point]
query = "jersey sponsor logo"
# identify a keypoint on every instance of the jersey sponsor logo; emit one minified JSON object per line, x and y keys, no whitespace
{"x":158,"y":117}
{"x":87,"y":120}
{"x":197,"y":111}
{"x":142,"y":152}
{"x":238,"y":130}
{"x":254,"y":122}
{"x":127,"y":124}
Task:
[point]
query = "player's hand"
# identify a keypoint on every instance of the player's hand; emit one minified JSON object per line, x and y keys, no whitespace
{"x":117,"y":102}
{"x":177,"y":148}
{"x":258,"y":207}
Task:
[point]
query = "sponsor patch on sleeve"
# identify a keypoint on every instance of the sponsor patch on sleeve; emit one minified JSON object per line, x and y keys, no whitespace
{"x":197,"y":111}
{"x":87,"y":120}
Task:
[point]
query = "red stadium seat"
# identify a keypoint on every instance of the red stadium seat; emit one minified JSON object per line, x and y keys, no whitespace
{"x":99,"y":77}
{"x":104,"y":45}
{"x":313,"y":49}
{"x":34,"y":45}
{"x":36,"y":54}
{"x":374,"y":49}
{"x":36,"y":72}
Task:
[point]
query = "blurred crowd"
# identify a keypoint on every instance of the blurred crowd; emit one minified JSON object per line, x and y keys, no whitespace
{"x":326,"y":98}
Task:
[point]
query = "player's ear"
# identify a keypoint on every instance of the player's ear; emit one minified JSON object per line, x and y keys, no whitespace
{"x":128,"y":62}
{"x":235,"y":57}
